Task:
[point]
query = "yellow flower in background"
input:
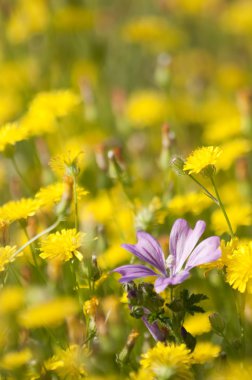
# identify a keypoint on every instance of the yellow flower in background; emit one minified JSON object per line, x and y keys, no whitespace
{"x":232,"y":150}
{"x":50,"y":195}
{"x":171,"y":359}
{"x":142,"y":374}
{"x":6,"y":256}
{"x":10,"y":134}
{"x":222,"y":129}
{"x":193,"y":7}
{"x":20,"y":209}
{"x":231,"y":77}
{"x":90,"y":306}
{"x":146,"y":108}
{"x":11,"y":298}
{"x":59,"y":103}
{"x":201,"y":158}
{"x":191,"y":202}
{"x":72,"y":18}
{"x":113,"y":256}
{"x":85,"y":70}
{"x":205,"y":352}
{"x":50,"y":313}
{"x":152,"y":32}
{"x":62,"y":245}
{"x":69,"y":363}
{"x":27,"y":19}
{"x":237,"y":18}
{"x":15,"y":359}
{"x":10,"y":105}
{"x":198,"y":324}
{"x":68,"y":162}
{"x":239,"y":267}
{"x":239,"y":215}
{"x":231,"y":370}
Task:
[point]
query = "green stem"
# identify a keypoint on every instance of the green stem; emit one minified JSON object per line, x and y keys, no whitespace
{"x":36,"y":237}
{"x":206,"y":192}
{"x":23,"y":179}
{"x":31,"y":246}
{"x":76,"y":211}
{"x":222,"y":207}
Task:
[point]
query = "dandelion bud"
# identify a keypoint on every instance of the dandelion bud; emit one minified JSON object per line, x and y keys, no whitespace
{"x":177,"y":165}
{"x":124,"y":355}
{"x":117,"y":166}
{"x":209,"y":171}
{"x":217,"y":323}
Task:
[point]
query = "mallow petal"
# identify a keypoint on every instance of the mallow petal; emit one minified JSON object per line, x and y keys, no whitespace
{"x":147,"y":249}
{"x":191,"y":240}
{"x":178,"y":235}
{"x":155,"y":331}
{"x":206,"y":252}
{"x":161,"y":283}
{"x":131,"y":272}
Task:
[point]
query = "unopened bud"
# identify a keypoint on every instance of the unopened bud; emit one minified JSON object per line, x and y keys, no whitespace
{"x":101,"y":158}
{"x":124,"y":355}
{"x":177,"y":165}
{"x":217,"y":322}
{"x":208,"y":171}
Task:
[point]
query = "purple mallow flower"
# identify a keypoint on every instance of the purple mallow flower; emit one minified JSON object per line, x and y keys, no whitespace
{"x":185,"y":254}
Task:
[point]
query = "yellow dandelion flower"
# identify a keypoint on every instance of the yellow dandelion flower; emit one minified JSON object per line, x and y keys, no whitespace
{"x":62,"y":245}
{"x":69,"y":363}
{"x":113,"y":256}
{"x":10,"y":105}
{"x":142,"y":374}
{"x":38,"y":121}
{"x":6,"y":256}
{"x":172,"y":359}
{"x":90,"y":306}
{"x":10,"y":134}
{"x":232,"y":371}
{"x":239,"y":215}
{"x":232,"y":150}
{"x":146,"y":108}
{"x":11,"y":298}
{"x":205,"y":352}
{"x":67,"y":163}
{"x":49,"y":313}
{"x":239,"y":267}
{"x":201,"y":158}
{"x":15,"y":359}
{"x":198,"y":324}
{"x":20,"y":209}
{"x":227,"y":249}
{"x":153,"y":33}
{"x":192,"y":202}
{"x":59,"y":103}
{"x":49,"y":195}
{"x":237,"y":18}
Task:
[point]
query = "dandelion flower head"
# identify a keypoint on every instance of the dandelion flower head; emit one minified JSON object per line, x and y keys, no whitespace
{"x":201,"y":158}
{"x":62,"y":245}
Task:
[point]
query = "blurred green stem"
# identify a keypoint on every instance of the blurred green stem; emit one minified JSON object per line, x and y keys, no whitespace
{"x":76,"y":211}
{"x":222,"y":207}
{"x":206,"y":192}
{"x":23,"y":179}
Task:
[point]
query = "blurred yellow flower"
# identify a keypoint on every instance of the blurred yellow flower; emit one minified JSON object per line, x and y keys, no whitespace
{"x":10,"y":105}
{"x":239,"y":215}
{"x":15,"y":359}
{"x":72,"y":18}
{"x":113,"y":256}
{"x":27,"y":19}
{"x":191,"y":202}
{"x":222,"y":129}
{"x":20,"y":209}
{"x":231,"y":370}
{"x":239,"y":267}
{"x":49,"y":313}
{"x":69,"y":363}
{"x":62,"y":245}
{"x":11,"y":297}
{"x":10,"y":134}
{"x":146,"y":108}
{"x":198,"y":324}
{"x":6,"y":256}
{"x":153,"y":33}
{"x":173,"y":359}
{"x":205,"y":352}
{"x":232,"y":150}
{"x":142,"y":374}
{"x":90,"y":306}
{"x":237,"y":18}
{"x":201,"y":158}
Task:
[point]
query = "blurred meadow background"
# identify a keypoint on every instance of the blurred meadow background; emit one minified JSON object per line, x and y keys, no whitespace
{"x":99,"y":102}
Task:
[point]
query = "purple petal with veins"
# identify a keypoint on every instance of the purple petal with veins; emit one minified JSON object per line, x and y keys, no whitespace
{"x":131,"y":272}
